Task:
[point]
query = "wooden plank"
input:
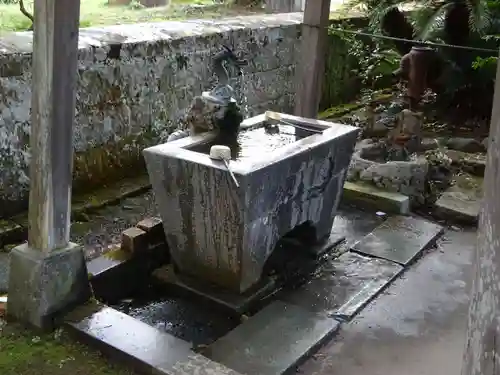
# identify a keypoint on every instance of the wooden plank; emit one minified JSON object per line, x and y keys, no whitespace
{"x":55,"y":50}
{"x":312,"y":62}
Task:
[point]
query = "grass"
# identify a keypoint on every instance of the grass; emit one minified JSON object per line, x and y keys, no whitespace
{"x":99,"y":13}
{"x":23,"y":353}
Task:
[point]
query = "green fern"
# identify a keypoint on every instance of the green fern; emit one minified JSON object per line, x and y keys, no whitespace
{"x":427,"y":15}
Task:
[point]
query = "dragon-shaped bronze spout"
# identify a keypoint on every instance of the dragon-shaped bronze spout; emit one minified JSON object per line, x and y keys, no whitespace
{"x":226,"y":56}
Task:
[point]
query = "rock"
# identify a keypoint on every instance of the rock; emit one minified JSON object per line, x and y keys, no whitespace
{"x":363,"y":144}
{"x":457,"y":206}
{"x":472,"y":163}
{"x":411,"y":122}
{"x":373,"y":152}
{"x":470,"y":145}
{"x":357,"y":165}
{"x":429,"y":144}
{"x":405,"y":177}
{"x":154,"y":3}
{"x":461,"y":202}
{"x":381,"y":126}
{"x":485,"y":143}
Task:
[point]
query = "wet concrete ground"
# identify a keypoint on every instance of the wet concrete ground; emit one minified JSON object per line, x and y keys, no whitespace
{"x":159,"y":307}
{"x":417,"y":327}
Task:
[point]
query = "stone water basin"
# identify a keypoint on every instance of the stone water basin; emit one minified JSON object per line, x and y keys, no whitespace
{"x":223,"y":234}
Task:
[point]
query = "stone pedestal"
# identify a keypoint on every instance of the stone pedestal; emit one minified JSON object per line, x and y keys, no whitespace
{"x":42,"y":286}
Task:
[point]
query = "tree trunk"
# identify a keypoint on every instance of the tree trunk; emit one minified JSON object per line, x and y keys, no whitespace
{"x":482,"y":352}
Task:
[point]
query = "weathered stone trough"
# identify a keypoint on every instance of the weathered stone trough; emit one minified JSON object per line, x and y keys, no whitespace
{"x":223,"y":234}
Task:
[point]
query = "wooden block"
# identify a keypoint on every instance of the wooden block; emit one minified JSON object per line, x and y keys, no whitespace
{"x":153,"y":226}
{"x":134,"y":240}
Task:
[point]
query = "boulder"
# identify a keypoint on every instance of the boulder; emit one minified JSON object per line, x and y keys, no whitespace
{"x":469,"y":145}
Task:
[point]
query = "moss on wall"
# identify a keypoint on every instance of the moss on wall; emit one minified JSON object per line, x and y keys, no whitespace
{"x":340,"y":84}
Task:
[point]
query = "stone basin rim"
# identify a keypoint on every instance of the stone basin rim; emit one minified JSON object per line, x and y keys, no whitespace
{"x":180,"y":148}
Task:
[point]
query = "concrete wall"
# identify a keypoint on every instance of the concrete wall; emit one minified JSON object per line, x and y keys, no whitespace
{"x":285,"y":5}
{"x":134,"y":83}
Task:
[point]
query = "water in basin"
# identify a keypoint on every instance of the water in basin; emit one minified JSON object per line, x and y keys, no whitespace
{"x":257,"y":141}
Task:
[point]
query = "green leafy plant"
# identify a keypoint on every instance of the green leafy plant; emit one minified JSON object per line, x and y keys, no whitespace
{"x":468,"y":75}
{"x":374,"y":60}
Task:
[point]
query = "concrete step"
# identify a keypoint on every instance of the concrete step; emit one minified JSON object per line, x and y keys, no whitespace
{"x":272,"y":341}
{"x":457,"y":206}
{"x":367,"y":196}
{"x":145,"y":348}
{"x":462,"y":201}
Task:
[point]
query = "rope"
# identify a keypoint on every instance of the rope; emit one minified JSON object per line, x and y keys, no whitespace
{"x":378,"y":36}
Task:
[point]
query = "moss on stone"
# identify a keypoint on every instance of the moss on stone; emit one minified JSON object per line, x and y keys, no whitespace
{"x":117,"y":254}
{"x":339,"y":110}
{"x":24,"y":353}
{"x":113,"y":161}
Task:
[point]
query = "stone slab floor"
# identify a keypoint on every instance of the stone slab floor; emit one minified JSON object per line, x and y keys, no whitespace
{"x":417,"y":327}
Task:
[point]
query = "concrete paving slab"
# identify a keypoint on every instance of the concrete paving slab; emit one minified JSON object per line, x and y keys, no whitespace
{"x":461,"y":202}
{"x":344,"y":285}
{"x":273,"y":341}
{"x":416,"y":327}
{"x":400,"y":239}
{"x":145,"y":348}
{"x":458,"y":206}
{"x":354,"y":223}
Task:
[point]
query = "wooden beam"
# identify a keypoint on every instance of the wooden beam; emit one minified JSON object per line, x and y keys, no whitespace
{"x":310,"y":72}
{"x":55,"y":53}
{"x":482,"y":353}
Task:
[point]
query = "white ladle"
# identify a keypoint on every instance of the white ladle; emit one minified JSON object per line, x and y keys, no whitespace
{"x":223,"y":153}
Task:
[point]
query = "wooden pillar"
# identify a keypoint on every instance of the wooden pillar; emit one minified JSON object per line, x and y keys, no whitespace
{"x":482,"y":352}
{"x":55,"y":50}
{"x":48,"y":274}
{"x":311,"y":68}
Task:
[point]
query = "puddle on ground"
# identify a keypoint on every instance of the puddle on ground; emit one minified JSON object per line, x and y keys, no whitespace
{"x":258,"y":141}
{"x":189,"y":319}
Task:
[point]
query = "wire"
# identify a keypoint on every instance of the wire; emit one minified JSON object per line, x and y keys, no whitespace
{"x":378,"y":36}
